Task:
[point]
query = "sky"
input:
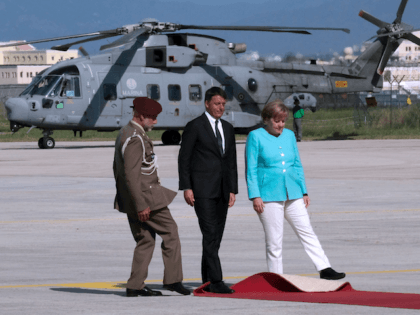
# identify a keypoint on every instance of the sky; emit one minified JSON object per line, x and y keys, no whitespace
{"x":30,"y":20}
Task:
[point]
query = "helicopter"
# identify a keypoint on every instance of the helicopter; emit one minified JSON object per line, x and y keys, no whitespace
{"x":151,"y":59}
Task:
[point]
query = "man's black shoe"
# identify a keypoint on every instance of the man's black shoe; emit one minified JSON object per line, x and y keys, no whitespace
{"x":177,"y":287}
{"x":143,"y":292}
{"x":331,"y":274}
{"x":218,"y":287}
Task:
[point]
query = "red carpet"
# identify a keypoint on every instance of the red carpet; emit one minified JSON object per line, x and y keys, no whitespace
{"x":273,"y":287}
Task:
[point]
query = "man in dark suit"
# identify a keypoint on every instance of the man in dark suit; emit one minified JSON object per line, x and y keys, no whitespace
{"x":209,"y":178}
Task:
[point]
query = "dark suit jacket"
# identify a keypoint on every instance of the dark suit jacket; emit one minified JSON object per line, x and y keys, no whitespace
{"x":201,"y":166}
{"x":135,"y":190}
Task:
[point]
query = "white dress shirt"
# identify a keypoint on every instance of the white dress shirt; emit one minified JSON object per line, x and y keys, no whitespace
{"x":213,"y":126}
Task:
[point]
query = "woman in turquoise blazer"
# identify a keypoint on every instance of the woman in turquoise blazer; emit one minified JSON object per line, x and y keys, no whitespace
{"x":276,"y":186}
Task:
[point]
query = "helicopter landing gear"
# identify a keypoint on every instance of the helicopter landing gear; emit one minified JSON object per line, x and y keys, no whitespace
{"x":46,"y":142}
{"x":171,"y":137}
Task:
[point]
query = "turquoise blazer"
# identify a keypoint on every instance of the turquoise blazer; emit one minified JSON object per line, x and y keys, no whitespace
{"x":273,"y":168}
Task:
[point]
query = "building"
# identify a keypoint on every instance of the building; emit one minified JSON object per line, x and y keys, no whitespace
{"x":19,"y":74}
{"x":408,"y":52}
{"x":19,"y":64}
{"x":407,"y":78}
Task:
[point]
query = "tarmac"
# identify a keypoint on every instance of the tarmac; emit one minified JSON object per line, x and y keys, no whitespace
{"x":65,"y":250}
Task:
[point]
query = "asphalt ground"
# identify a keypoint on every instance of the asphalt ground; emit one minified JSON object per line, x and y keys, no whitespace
{"x":65,"y":250}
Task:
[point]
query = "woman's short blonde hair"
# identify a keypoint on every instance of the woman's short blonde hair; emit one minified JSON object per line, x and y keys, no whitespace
{"x":275,"y":109}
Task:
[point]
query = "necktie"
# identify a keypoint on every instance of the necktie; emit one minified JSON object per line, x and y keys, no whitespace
{"x":219,"y":138}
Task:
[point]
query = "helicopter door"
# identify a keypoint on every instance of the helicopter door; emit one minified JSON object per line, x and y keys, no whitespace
{"x":174,"y":111}
{"x":67,"y":97}
{"x":110,"y":105}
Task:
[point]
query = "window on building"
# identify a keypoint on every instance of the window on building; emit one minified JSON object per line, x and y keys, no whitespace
{"x":29,"y":58}
{"x":2,"y":75}
{"x":21,"y":74}
{"x":42,"y":58}
{"x":36,"y":58}
{"x":27,"y":74}
{"x":23,"y":58}
{"x":174,"y":92}
{"x":153,"y":91}
{"x":52,"y":58}
{"x":17,"y":58}
{"x":195,"y":93}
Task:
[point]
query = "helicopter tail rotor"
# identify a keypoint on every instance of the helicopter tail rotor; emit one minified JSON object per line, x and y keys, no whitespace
{"x":392,"y":34}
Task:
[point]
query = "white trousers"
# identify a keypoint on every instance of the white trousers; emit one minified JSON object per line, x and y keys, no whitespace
{"x":296,"y":214}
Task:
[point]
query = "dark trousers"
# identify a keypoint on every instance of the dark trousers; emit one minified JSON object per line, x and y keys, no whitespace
{"x":144,"y":233}
{"x":211,"y":215}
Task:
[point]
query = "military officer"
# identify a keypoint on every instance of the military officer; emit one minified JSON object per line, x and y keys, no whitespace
{"x":141,"y":196}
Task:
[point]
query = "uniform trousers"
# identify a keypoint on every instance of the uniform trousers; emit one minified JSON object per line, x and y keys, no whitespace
{"x":296,"y":214}
{"x":144,"y":233}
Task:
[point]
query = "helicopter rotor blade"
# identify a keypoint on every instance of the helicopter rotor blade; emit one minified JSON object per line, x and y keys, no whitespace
{"x":115,"y":32}
{"x":126,"y":38}
{"x":412,"y":38}
{"x":370,"y":18}
{"x":385,"y":56}
{"x":67,"y":46}
{"x":283,"y":29}
{"x":401,"y":11}
{"x":403,"y":33}
{"x":292,"y":31}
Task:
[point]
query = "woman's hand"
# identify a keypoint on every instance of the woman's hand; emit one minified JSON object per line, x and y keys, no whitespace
{"x":307,"y":201}
{"x":258,"y":205}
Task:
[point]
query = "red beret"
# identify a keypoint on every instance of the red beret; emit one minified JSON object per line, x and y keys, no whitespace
{"x":146,"y":106}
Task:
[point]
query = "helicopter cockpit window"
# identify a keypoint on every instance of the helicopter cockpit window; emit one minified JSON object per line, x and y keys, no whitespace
{"x":174,"y":92}
{"x":195,"y":93}
{"x":110,"y":92}
{"x":229,"y":91}
{"x":153,"y":91}
{"x":70,"y":87}
{"x":45,"y":85}
{"x":56,"y":90}
{"x":31,"y":86}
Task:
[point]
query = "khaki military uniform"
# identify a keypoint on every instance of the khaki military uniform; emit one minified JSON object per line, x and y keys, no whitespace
{"x":139,"y":188}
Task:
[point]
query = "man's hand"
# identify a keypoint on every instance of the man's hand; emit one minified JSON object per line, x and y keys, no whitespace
{"x":189,"y":197}
{"x":144,"y":215}
{"x":258,"y":205}
{"x":307,"y":201}
{"x":232,"y":199}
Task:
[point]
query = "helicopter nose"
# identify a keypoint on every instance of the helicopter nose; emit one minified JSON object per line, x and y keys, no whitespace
{"x":17,"y":110}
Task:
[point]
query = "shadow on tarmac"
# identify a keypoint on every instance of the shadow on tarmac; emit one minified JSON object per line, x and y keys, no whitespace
{"x":88,"y":291}
{"x":189,"y":285}
{"x":66,"y":148}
